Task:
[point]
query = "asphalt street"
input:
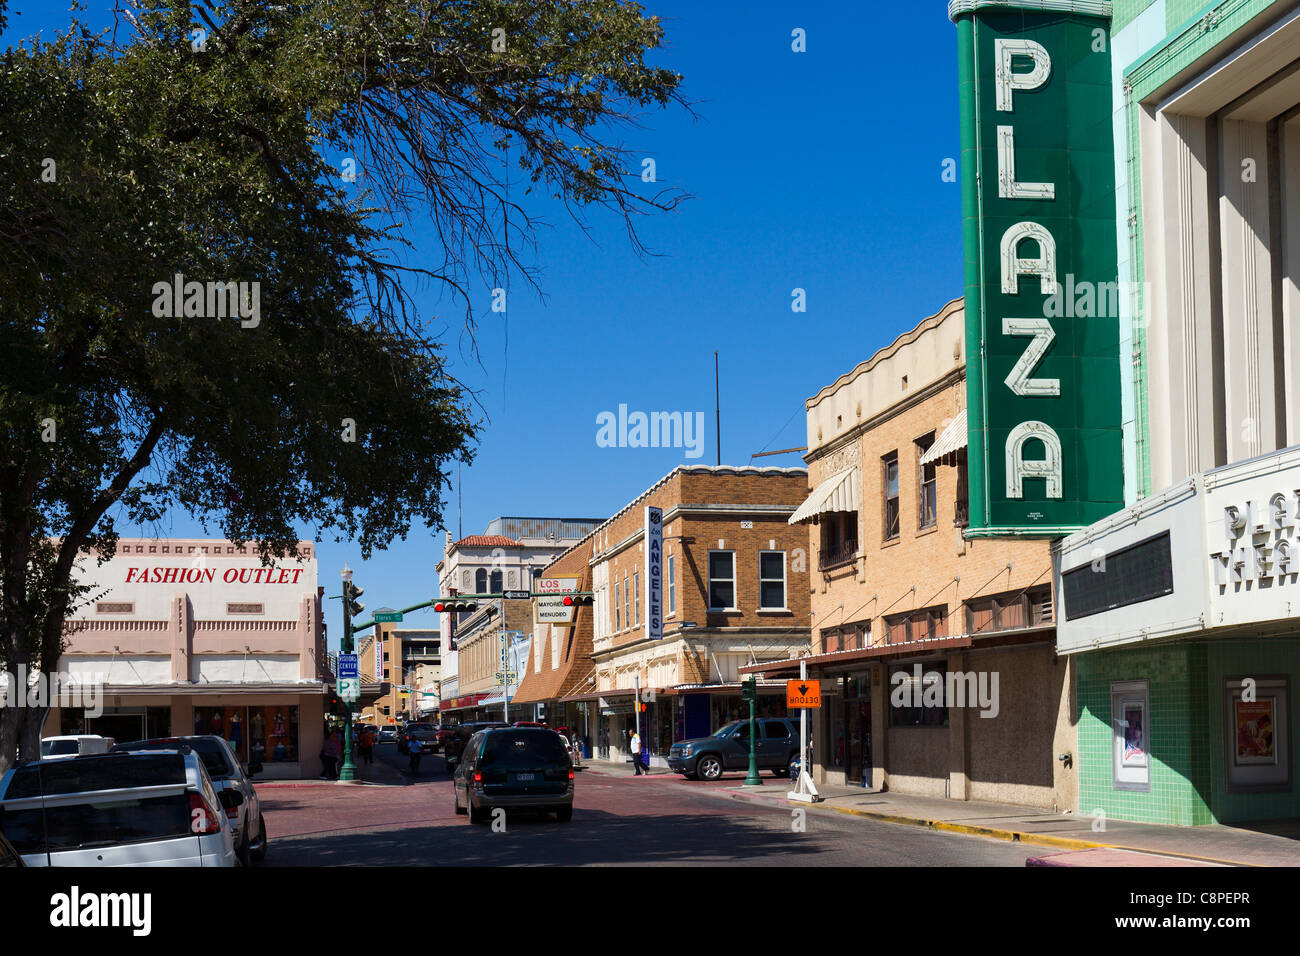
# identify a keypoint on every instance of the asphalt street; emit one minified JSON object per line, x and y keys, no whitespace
{"x":617,"y":821}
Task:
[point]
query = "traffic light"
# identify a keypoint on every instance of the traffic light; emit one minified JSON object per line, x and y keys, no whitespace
{"x":350,"y":594}
{"x":578,"y":600}
{"x":749,"y":689}
{"x":455,"y":605}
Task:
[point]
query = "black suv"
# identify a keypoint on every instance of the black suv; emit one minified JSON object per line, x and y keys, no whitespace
{"x":515,"y":768}
{"x":775,"y":749}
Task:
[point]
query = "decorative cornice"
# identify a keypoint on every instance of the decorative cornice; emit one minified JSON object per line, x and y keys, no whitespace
{"x":1092,"y":8}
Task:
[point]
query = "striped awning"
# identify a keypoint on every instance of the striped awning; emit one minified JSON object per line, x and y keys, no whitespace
{"x":839,"y":492}
{"x":952,"y":440}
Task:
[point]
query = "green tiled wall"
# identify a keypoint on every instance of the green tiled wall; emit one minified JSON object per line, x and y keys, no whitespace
{"x":1180,"y":765}
{"x":1186,"y":724}
{"x":1273,"y":658}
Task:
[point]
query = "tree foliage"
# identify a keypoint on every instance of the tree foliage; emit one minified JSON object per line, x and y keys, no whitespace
{"x":129,"y":157}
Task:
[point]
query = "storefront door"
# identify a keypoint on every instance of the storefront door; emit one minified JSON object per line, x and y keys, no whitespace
{"x":857,"y":726}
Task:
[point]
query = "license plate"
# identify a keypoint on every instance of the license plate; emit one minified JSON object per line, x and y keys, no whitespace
{"x":525,"y":777}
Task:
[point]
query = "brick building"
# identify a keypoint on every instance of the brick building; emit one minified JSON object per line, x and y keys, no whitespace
{"x":898,"y":592}
{"x":735,"y":591}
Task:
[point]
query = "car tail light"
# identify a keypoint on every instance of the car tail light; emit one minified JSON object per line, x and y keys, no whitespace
{"x":478,"y":777}
{"x":570,"y":774}
{"x":203,"y":819}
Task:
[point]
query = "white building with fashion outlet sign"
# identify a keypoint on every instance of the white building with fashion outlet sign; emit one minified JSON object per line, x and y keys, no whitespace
{"x":200,"y":637}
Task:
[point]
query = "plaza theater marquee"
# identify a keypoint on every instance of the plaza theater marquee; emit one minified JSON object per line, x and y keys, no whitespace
{"x":1216,"y":553}
{"x":1039,"y":238}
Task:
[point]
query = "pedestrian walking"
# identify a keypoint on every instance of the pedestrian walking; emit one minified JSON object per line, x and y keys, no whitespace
{"x":413,"y":748}
{"x":368,"y":746}
{"x":329,"y":757}
{"x":635,"y":745}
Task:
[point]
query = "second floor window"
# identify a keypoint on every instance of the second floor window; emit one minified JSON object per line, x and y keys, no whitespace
{"x":496,"y":582}
{"x":618,"y":608}
{"x":480,"y":581}
{"x":771,"y":580}
{"x":839,"y":538}
{"x":926,"y":486}
{"x":889,"y":465}
{"x":627,"y":602}
{"x":636,"y":597}
{"x":722,"y":580}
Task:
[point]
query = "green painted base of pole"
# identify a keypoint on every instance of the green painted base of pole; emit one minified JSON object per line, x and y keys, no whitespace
{"x":751,"y":778}
{"x":348,"y":772}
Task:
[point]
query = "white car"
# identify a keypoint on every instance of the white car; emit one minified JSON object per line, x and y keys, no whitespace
{"x":74,"y":745}
{"x":122,"y":809}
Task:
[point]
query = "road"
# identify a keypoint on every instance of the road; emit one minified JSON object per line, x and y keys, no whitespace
{"x":617,"y":821}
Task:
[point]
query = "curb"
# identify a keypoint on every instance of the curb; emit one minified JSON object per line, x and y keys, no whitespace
{"x":993,"y":833}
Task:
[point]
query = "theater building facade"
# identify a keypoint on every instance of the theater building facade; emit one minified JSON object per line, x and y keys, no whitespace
{"x":198,"y":636}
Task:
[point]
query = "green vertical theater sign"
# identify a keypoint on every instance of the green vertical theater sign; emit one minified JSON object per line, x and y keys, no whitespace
{"x":1042,"y":301}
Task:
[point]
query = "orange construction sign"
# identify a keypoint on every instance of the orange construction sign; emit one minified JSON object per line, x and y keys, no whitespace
{"x":805,"y":694}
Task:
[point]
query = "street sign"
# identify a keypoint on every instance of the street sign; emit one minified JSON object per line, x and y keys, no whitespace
{"x":501,"y":678}
{"x":388,"y":617}
{"x":349,"y":689}
{"x":549,"y":606}
{"x":516,"y":595}
{"x":806,"y":694}
{"x":349,"y":666}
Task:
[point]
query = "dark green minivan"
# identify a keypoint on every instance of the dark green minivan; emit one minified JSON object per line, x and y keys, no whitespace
{"x":515,"y":768}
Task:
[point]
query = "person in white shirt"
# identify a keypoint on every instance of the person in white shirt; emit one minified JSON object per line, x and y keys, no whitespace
{"x":636,"y":753}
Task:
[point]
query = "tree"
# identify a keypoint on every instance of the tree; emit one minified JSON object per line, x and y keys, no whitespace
{"x":207,"y":144}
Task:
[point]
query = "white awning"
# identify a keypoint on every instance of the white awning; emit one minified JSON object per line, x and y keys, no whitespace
{"x":839,"y":492}
{"x":952,"y":440}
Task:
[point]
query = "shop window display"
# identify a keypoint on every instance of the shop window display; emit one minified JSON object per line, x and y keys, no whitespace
{"x":257,"y":734}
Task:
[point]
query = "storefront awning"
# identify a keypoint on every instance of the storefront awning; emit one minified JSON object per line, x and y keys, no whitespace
{"x":839,"y":492}
{"x":952,"y":440}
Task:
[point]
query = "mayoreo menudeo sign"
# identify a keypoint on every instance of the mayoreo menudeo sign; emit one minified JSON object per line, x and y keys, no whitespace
{"x":1042,"y":296}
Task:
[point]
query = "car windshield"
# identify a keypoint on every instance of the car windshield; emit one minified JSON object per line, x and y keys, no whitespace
{"x":728,"y":730}
{"x":521,"y":748}
{"x":419,"y":728}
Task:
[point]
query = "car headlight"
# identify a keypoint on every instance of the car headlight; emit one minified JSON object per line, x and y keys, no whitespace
{"x":686,"y":751}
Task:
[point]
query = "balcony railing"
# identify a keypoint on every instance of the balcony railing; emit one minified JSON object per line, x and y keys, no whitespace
{"x":831,"y":558}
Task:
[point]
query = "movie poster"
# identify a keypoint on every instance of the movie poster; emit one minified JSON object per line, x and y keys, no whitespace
{"x":1254,"y":723}
{"x":1135,"y":728}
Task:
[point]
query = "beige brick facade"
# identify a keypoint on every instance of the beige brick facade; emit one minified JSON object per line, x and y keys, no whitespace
{"x":895,"y":585}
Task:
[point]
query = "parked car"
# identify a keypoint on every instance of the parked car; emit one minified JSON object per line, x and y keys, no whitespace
{"x":387,"y":735}
{"x":775,"y":749}
{"x":155,"y":808}
{"x":517,"y":768}
{"x":228,"y":775}
{"x":426,"y":735}
{"x":455,"y":745}
{"x":74,"y":745}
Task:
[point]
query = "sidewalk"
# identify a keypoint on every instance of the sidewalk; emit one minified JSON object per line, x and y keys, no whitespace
{"x":1269,"y":844}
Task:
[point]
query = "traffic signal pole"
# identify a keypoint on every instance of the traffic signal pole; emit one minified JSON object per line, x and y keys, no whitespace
{"x":348,"y":772}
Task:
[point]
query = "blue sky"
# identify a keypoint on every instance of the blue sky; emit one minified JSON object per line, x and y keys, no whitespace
{"x":818,"y":170}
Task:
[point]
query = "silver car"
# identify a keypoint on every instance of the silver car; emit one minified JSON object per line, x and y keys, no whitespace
{"x":118,"y":809}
